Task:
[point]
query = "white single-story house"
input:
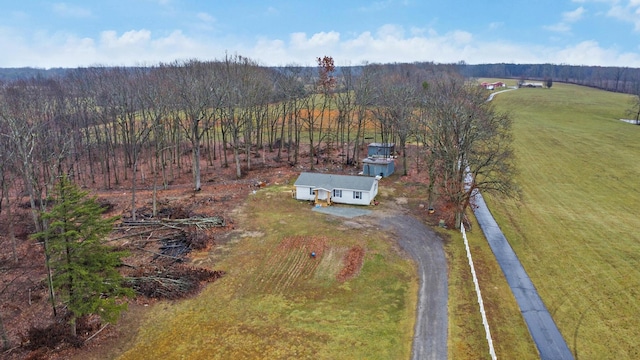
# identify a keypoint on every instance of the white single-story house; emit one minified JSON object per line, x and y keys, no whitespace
{"x":325,"y":189}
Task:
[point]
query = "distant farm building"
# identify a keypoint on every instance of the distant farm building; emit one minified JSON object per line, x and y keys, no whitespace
{"x":531,"y":84}
{"x":379,"y":161}
{"x":325,"y":189}
{"x":492,"y":86}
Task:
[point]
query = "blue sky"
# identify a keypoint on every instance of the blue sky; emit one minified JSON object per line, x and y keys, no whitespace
{"x":277,"y":32}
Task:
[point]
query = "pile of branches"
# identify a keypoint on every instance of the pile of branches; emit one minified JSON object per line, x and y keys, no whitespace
{"x":171,"y":282}
{"x":175,"y":238}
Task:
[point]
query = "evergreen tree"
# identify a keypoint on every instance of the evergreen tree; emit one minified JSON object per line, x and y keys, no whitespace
{"x":85,"y":271}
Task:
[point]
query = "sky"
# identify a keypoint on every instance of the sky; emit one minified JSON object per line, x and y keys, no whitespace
{"x":79,"y":33}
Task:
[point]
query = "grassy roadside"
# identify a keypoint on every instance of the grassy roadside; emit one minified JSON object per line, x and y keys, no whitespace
{"x":466,"y":338}
{"x":277,"y":302}
{"x":511,"y":339}
{"x":576,"y":231}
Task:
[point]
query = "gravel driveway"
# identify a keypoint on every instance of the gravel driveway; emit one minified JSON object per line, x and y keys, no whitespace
{"x":426,"y":249}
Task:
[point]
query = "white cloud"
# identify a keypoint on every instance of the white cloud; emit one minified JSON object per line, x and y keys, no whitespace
{"x":110,"y":39}
{"x":391,"y":31}
{"x":559,"y":27}
{"x":387,"y":44}
{"x":629,"y":13}
{"x":319,"y":40}
{"x":591,"y":53}
{"x":377,"y":6}
{"x":573,"y":16}
{"x":567,"y":18}
{"x":272,"y":11}
{"x":66,"y":10}
{"x":203,"y":16}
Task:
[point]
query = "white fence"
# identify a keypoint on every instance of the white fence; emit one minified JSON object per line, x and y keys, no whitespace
{"x":492,"y":351}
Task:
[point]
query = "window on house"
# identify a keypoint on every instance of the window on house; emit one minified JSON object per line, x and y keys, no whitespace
{"x":337,"y":193}
{"x":357,"y":194}
{"x":311,"y":191}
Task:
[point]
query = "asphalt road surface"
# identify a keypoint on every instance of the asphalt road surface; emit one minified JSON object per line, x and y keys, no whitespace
{"x":543,"y":330}
{"x":425,"y":247}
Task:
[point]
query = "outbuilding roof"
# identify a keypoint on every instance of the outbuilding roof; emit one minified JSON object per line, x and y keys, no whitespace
{"x":333,"y":181}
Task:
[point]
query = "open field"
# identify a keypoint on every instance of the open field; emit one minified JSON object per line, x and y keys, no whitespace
{"x":576,"y":230}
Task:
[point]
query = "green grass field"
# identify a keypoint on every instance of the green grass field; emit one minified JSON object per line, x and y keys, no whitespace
{"x":277,"y":302}
{"x":576,"y":230}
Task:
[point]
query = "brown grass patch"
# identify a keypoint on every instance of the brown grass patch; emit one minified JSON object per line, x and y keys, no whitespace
{"x":352,"y":264}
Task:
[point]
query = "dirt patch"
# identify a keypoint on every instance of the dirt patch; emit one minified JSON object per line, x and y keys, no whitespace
{"x":352,"y":264}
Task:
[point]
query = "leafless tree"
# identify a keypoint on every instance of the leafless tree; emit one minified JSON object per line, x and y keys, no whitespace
{"x":396,"y":102}
{"x":346,"y":121}
{"x":156,"y":104}
{"x":471,"y":142}
{"x":33,"y":114}
{"x":290,"y":91}
{"x":196,"y":83}
{"x":364,"y":92}
{"x":325,"y":85}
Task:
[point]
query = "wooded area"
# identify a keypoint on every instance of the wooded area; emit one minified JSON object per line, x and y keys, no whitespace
{"x":100,"y":125}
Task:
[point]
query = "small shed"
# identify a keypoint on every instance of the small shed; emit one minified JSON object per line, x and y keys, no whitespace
{"x":380,"y":150}
{"x":378,"y":166}
{"x":325,"y":189}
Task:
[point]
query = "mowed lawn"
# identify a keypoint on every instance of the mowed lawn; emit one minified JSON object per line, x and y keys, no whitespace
{"x":577,"y":229}
{"x":277,"y":302}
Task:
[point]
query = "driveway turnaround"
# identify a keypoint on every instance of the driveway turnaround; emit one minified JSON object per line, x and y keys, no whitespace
{"x":543,"y":330}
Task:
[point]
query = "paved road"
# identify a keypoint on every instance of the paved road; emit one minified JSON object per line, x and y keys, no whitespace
{"x":543,"y":330}
{"x":425,"y":247}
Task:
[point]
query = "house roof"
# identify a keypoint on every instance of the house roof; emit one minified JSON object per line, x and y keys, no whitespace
{"x":333,"y":181}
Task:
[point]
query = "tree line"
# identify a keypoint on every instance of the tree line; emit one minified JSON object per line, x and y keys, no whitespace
{"x":609,"y":78}
{"x":99,"y":125}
